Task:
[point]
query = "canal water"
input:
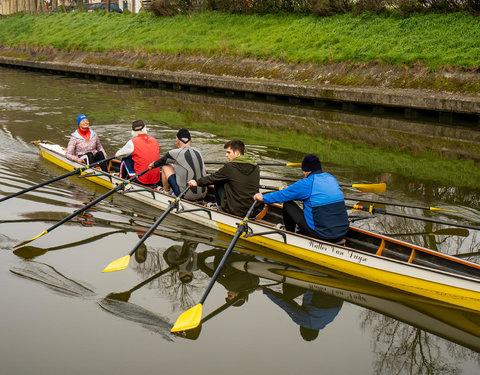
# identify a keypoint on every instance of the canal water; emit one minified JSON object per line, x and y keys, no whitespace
{"x":60,"y":314}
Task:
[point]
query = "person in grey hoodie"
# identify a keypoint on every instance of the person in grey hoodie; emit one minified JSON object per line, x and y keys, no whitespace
{"x":236,"y":182}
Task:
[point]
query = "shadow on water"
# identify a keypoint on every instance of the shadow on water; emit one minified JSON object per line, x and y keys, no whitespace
{"x":53,"y":279}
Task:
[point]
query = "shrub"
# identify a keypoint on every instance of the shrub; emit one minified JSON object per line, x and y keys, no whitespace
{"x":326,"y":8}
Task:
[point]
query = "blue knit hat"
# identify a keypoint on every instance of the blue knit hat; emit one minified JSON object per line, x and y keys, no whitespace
{"x":311,"y":163}
{"x":80,"y":118}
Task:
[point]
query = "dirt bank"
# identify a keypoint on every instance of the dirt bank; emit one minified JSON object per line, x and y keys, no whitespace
{"x":453,"y":80}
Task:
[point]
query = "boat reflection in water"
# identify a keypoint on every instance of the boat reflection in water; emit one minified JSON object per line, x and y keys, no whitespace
{"x":402,"y":324}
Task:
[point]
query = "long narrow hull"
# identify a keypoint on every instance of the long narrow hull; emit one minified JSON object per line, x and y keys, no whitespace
{"x":423,"y":272}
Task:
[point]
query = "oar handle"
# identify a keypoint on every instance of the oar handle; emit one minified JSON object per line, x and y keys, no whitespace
{"x":241,"y":228}
{"x":97,"y":163}
{"x":170,"y":207}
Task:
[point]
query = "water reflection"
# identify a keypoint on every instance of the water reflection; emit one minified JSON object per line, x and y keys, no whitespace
{"x":170,"y":273}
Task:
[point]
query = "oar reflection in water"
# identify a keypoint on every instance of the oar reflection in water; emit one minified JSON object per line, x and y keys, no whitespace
{"x":31,"y":252}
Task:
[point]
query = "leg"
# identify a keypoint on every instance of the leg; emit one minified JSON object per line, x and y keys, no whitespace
{"x":293,"y":215}
{"x":218,"y":194}
{"x":126,"y":167}
{"x":88,"y":157}
{"x":100,"y":156}
{"x":167,"y":171}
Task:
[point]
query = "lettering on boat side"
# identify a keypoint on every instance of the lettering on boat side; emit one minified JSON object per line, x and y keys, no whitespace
{"x":343,"y":294}
{"x":320,"y":247}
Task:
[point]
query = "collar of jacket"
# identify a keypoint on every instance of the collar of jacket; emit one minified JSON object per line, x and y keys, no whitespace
{"x":244,"y":159}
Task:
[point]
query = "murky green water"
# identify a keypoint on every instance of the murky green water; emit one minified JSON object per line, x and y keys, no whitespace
{"x":56,"y":319}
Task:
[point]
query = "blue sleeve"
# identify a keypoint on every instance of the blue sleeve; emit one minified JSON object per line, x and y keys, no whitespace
{"x":299,"y":191}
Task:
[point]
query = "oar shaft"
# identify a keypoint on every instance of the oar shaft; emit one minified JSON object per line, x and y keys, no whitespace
{"x":397,"y":204}
{"x":241,"y":228}
{"x":76,"y":171}
{"x":375,"y":210}
{"x":94,"y":202}
{"x":170,"y":207}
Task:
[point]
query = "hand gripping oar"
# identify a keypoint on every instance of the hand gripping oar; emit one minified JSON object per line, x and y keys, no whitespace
{"x":273,"y":164}
{"x":75,"y":171}
{"x":403,"y":205}
{"x":86,"y":207}
{"x":122,"y":263}
{"x":191,"y":318}
{"x":366,"y":188}
{"x":373,"y":210}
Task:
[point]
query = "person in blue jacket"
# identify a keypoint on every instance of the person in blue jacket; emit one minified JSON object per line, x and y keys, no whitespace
{"x":324,"y":215}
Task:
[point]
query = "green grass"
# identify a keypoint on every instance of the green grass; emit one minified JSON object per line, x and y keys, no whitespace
{"x":435,"y":40}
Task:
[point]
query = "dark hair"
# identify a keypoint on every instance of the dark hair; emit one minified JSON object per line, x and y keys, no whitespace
{"x":235,"y":145}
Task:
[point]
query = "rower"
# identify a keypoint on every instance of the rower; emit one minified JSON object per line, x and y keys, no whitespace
{"x":324,"y":215}
{"x":138,"y":153}
{"x":84,"y":145}
{"x":180,"y":166}
{"x":236,"y":182}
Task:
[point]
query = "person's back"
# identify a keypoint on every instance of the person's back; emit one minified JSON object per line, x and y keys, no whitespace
{"x":236,"y":182}
{"x":324,"y":215}
{"x":138,"y":153}
{"x":325,"y":208}
{"x":188,"y":165}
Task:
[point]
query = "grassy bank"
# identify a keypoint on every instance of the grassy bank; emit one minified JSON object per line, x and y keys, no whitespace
{"x":434,"y":40}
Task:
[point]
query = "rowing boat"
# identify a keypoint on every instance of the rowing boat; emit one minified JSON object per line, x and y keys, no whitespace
{"x":364,"y":254}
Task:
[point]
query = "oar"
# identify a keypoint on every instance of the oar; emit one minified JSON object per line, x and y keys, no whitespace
{"x":262,"y":164}
{"x":366,"y":188}
{"x":191,"y":318}
{"x":373,"y":210}
{"x":125,"y":296}
{"x":403,"y":205}
{"x":86,"y":207}
{"x":75,"y":171}
{"x":122,"y":263}
{"x":461,"y":232}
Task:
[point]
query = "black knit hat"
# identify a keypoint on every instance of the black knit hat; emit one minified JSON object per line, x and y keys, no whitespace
{"x":137,"y":125}
{"x":183,"y":135}
{"x":311,"y":163}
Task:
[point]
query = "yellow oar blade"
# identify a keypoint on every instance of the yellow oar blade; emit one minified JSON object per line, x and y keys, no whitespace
{"x":118,"y":265}
{"x":294,"y":164}
{"x":189,"y":319}
{"x":443,"y":209}
{"x":371,"y":188}
{"x":30,"y":240}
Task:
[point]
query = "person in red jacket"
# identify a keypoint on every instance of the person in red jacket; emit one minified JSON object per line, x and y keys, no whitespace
{"x":138,"y":153}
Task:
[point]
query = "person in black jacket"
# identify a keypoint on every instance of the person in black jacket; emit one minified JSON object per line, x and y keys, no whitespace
{"x":236,"y":182}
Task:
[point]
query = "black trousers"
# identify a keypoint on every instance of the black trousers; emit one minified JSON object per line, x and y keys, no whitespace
{"x":292,"y":216}
{"x":97,"y":157}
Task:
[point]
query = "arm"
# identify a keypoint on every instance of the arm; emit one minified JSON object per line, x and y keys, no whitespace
{"x":299,"y":191}
{"x":219,"y":176}
{"x":165,"y":159}
{"x":125,"y":150}
{"x":71,"y":153}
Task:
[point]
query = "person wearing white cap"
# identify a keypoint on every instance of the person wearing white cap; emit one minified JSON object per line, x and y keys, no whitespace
{"x":138,"y":153}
